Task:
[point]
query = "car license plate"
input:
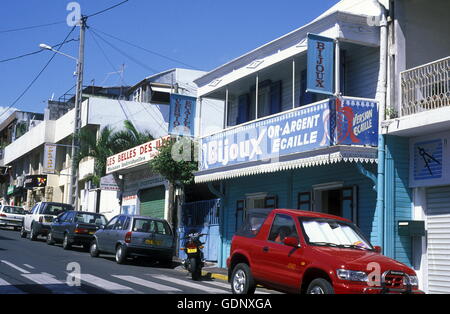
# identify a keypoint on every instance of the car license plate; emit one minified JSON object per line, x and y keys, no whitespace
{"x":192,"y":250}
{"x":152,"y":242}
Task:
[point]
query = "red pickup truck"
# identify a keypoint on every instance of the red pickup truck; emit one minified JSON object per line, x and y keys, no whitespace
{"x":297,"y":251}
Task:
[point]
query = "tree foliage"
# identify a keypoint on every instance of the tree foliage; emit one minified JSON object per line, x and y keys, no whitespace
{"x":176,"y":161}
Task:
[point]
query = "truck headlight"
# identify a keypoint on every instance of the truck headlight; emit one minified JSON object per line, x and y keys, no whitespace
{"x":412,"y":280}
{"x":351,"y":275}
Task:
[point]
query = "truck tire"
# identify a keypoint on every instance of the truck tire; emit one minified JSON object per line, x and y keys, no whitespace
{"x":320,"y":286}
{"x":242,"y":281}
{"x":23,"y":233}
{"x":33,"y":233}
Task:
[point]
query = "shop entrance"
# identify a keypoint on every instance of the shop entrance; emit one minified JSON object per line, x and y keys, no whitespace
{"x":335,"y":199}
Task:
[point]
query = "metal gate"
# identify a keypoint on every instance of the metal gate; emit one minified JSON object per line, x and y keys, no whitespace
{"x":203,"y":217}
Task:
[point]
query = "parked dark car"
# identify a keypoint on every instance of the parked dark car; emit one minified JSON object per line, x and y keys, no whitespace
{"x":75,"y":228}
{"x":131,"y":236}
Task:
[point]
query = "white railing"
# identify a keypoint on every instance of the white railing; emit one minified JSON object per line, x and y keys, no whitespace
{"x":425,"y":87}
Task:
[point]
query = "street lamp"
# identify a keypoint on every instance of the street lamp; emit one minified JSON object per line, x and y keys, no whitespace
{"x":47,"y":47}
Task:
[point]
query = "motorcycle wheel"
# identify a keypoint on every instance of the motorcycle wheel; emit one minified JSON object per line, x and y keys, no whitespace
{"x":195,"y":268}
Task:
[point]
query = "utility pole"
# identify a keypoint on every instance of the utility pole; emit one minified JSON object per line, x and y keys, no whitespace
{"x":73,"y":183}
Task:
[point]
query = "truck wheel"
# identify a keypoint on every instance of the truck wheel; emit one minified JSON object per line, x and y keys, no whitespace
{"x":242,"y":281}
{"x":33,"y":233}
{"x":320,"y":286}
{"x":23,"y":233}
{"x":121,"y":255}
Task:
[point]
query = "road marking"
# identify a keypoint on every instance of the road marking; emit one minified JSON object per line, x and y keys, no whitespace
{"x":50,"y":282}
{"x":29,"y":266}
{"x":189,"y":284}
{"x":16,"y":267}
{"x":7,"y":288}
{"x":107,"y":285}
{"x":148,"y":284}
{"x":228,"y":287}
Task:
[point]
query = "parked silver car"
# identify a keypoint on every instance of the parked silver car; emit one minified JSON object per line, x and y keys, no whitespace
{"x":11,"y":216}
{"x":129,"y":236}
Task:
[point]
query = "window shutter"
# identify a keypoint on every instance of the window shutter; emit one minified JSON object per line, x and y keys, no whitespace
{"x":243,"y":108}
{"x":342,"y":72}
{"x":275,"y":97}
{"x":304,"y":201}
{"x":240,"y":207}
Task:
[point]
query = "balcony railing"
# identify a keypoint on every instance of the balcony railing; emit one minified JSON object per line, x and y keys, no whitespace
{"x":425,"y":87}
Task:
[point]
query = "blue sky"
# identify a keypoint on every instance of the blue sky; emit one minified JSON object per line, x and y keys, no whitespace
{"x":201,"y":33}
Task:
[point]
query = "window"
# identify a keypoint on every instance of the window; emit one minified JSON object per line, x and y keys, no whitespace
{"x":69,"y":217}
{"x":253,"y":222}
{"x":283,"y":226}
{"x":90,"y":218}
{"x":111,"y":223}
{"x":35,"y":209}
{"x":13,"y":210}
{"x":161,"y":228}
{"x":143,"y":225}
{"x":56,"y":209}
{"x":120,"y":223}
{"x":240,"y":208}
{"x":304,"y":201}
{"x":62,"y":217}
{"x":334,"y":199}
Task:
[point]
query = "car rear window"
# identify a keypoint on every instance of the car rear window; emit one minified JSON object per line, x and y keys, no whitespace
{"x":14,"y":210}
{"x":56,"y":209}
{"x":89,"y":218}
{"x":148,"y":225}
{"x":252,"y":223}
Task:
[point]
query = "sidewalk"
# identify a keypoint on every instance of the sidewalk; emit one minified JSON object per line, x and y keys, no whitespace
{"x":209,"y":270}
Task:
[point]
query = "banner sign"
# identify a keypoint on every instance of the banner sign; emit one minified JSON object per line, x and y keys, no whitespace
{"x":182,"y":115}
{"x":300,"y":130}
{"x":356,"y":122}
{"x":49,"y":158}
{"x":135,"y":156}
{"x":35,"y":181}
{"x":320,"y":65}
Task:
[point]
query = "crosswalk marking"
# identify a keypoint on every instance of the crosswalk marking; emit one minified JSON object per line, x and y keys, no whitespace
{"x":148,"y":284}
{"x":7,"y":288}
{"x":16,"y":267}
{"x":53,"y":284}
{"x":29,"y":266}
{"x":189,"y":284}
{"x":107,"y":285}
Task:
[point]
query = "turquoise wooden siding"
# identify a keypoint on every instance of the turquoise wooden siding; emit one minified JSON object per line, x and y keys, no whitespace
{"x":399,"y":201}
{"x":287,"y":184}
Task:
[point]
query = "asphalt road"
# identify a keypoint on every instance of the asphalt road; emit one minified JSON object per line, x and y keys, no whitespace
{"x":36,"y":267}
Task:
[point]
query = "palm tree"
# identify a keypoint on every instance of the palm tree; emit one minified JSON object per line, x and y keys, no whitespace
{"x":107,"y":144}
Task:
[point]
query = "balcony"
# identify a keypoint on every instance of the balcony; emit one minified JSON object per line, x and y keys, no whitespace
{"x":426,"y":87}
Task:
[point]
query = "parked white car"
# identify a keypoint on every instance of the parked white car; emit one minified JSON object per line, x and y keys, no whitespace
{"x":39,"y":221}
{"x":11,"y":216}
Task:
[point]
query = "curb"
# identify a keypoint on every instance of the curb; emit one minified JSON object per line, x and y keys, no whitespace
{"x":215,"y":275}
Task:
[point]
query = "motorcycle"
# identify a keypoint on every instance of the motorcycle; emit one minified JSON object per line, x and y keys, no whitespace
{"x":193,"y":248}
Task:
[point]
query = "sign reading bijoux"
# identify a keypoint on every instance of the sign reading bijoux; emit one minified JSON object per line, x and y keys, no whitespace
{"x":294,"y":131}
{"x":135,"y":156}
{"x":341,"y":121}
{"x":320,"y":56}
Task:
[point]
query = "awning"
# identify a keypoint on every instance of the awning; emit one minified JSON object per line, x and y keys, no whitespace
{"x":328,"y":155}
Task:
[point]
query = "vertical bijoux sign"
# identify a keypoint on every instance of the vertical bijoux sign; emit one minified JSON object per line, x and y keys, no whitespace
{"x":49,"y":158}
{"x":320,"y":71}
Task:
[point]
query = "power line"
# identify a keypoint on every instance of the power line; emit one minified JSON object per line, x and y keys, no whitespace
{"x":145,"y":49}
{"x":38,"y":75}
{"x":125,"y":54}
{"x":32,"y":53}
{"x":107,"y":9}
{"x":30,"y":27}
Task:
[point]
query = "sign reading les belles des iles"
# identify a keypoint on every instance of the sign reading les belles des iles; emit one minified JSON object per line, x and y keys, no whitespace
{"x":135,"y":156}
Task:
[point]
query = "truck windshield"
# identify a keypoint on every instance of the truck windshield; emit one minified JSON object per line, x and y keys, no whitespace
{"x":334,"y":233}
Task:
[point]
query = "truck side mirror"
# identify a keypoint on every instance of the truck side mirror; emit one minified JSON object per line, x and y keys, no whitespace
{"x":377,"y":249}
{"x":291,"y":241}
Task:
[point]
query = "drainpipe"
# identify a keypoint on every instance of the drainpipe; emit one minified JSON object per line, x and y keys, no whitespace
{"x":381,"y":94}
